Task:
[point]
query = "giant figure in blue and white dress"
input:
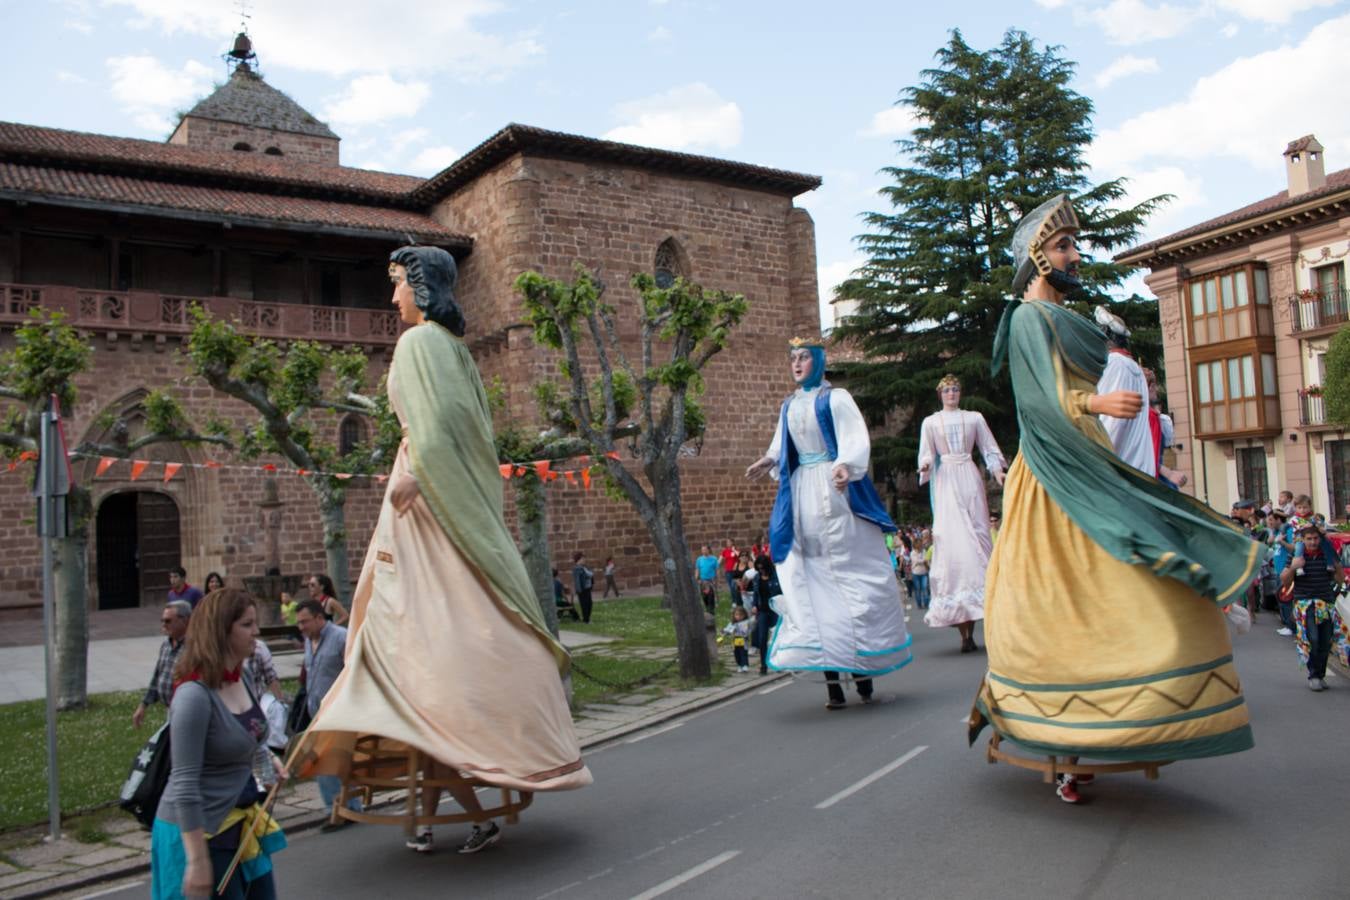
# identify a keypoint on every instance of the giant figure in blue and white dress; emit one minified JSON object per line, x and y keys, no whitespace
{"x":840,"y":610}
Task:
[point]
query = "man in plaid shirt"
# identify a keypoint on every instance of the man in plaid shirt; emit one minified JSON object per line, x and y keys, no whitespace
{"x":173,"y":621}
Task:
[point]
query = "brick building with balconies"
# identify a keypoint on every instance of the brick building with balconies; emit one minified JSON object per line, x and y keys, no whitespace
{"x":1248,"y":303}
{"x":247,"y":211}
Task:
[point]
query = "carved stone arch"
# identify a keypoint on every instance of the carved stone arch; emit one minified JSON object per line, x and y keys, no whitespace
{"x":671,"y":262}
{"x":194,"y":489}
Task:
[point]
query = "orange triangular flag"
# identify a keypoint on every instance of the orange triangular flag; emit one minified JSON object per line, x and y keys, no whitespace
{"x":613,"y":454}
{"x":342,"y":476}
{"x":541,"y":468}
{"x":170,"y":470}
{"x":137,"y":468}
{"x":10,"y":467}
{"x":586,"y":479}
{"x":104,"y":464}
{"x":212,"y":464}
{"x":571,"y":478}
{"x":268,"y":467}
{"x":381,"y":479}
{"x":519,"y":471}
{"x":28,"y":456}
{"x":505,"y":469}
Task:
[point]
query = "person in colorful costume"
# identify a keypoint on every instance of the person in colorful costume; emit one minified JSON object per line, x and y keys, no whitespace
{"x":840,"y":610}
{"x":1103,"y":616}
{"x":1316,"y":575}
{"x":447,"y":648}
{"x":961,"y":542}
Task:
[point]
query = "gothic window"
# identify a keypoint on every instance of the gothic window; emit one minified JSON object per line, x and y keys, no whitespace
{"x":669,"y":263}
{"x":244,"y":147}
{"x":351,"y":433}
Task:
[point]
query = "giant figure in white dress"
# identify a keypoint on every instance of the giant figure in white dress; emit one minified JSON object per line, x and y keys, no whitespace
{"x":961,"y":541}
{"x":840,"y":610}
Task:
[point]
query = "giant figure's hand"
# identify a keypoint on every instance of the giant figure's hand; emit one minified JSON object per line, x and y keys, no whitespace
{"x":840,"y":477}
{"x":999,"y":475}
{"x":404,"y":493}
{"x":1117,"y":404}
{"x":760,"y":467}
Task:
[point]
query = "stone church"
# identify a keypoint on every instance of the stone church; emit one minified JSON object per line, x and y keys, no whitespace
{"x":247,"y":210}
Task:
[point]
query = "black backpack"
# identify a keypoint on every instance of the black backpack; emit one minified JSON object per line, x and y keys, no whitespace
{"x":148,"y":777}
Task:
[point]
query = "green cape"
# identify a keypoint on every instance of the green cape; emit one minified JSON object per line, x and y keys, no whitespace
{"x":1135,"y":518}
{"x":454,"y":459}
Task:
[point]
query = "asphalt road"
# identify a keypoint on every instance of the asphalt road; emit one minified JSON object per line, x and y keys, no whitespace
{"x":772,"y":796}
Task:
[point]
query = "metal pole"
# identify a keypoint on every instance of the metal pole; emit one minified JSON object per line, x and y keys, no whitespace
{"x":47,"y":476}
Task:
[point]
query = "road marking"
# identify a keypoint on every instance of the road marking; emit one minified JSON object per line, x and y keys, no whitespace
{"x":556,"y":891}
{"x":112,"y":890}
{"x":653,"y":733}
{"x":878,"y":774}
{"x":671,"y":883}
{"x":775,"y":687}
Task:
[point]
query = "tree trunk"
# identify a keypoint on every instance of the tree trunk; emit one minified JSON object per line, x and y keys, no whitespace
{"x":333,"y":512}
{"x":71,"y":620}
{"x":532,"y":518}
{"x":667,"y":531}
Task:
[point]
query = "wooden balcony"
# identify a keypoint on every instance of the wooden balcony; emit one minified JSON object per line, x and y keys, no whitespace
{"x":146,"y":313}
{"x":1317,"y":312}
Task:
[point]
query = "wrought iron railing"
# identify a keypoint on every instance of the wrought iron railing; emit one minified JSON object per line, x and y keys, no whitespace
{"x":1312,"y":408}
{"x":148,"y":312}
{"x":1313,"y":309}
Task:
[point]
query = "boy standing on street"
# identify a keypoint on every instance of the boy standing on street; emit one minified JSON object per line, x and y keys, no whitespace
{"x":1314,"y":572}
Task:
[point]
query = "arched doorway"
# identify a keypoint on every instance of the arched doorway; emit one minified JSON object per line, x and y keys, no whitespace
{"x":137,"y":543}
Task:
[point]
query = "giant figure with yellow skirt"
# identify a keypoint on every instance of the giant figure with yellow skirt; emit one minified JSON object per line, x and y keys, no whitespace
{"x":1103,"y":617}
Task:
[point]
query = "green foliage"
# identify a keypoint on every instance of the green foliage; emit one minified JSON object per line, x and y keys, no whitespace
{"x":1336,"y":391}
{"x":288,"y":390}
{"x":998,"y":132}
{"x":48,"y":354}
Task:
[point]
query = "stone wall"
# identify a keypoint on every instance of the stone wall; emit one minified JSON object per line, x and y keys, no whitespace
{"x":211,"y":134}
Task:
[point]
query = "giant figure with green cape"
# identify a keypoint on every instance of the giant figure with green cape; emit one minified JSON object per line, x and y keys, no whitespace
{"x":1103,"y":616}
{"x":447,"y":649}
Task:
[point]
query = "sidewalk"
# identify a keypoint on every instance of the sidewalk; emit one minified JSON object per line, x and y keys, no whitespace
{"x":47,"y":869}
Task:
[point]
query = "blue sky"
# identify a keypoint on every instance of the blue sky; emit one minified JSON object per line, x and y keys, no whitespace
{"x":1193,"y":97}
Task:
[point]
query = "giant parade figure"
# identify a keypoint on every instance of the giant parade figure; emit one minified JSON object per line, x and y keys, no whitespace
{"x":961,"y":541}
{"x":1103,"y":615}
{"x":452,"y":677}
{"x":840,"y":609}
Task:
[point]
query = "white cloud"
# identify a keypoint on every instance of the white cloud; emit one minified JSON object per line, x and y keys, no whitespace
{"x":1247,"y":110}
{"x":1274,"y":12}
{"x":660,"y":35}
{"x":370,"y":99}
{"x":150,"y":92}
{"x":1188,"y":195}
{"x":1135,"y":22}
{"x":892,"y":122}
{"x":67,"y":77}
{"x":433,"y":159}
{"x":342,"y":37}
{"x":1051,"y":4}
{"x":1230,"y":30}
{"x":692,"y":115}
{"x":1123,"y":67}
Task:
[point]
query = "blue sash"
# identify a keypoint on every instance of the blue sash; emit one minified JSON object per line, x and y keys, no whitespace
{"x":862,"y":495}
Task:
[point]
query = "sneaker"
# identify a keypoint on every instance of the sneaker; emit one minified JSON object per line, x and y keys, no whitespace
{"x":421,"y":842}
{"x":1316,"y":684}
{"x":1067,"y":789}
{"x":1084,"y":779}
{"x":481,"y":838}
{"x":835,"y":704}
{"x":1284,"y":632}
{"x":1321,"y":684}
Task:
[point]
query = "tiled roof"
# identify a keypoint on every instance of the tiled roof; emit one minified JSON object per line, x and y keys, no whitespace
{"x":1336,"y":183}
{"x":515,"y":139}
{"x":249,"y":100}
{"x":210,"y":203}
{"x":1302,"y":143}
{"x":99,"y":152}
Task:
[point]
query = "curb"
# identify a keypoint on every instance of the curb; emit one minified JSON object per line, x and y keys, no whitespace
{"x":139,"y":865}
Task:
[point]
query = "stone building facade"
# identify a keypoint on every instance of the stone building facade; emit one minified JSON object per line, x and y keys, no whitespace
{"x":125,"y":234}
{"x":1248,"y":302}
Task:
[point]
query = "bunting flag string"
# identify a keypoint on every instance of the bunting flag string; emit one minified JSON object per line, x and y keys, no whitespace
{"x":579,"y":475}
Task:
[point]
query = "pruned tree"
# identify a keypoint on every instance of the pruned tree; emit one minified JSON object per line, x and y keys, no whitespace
{"x":681,"y":328}
{"x":289,"y":390}
{"x":47,"y":357}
